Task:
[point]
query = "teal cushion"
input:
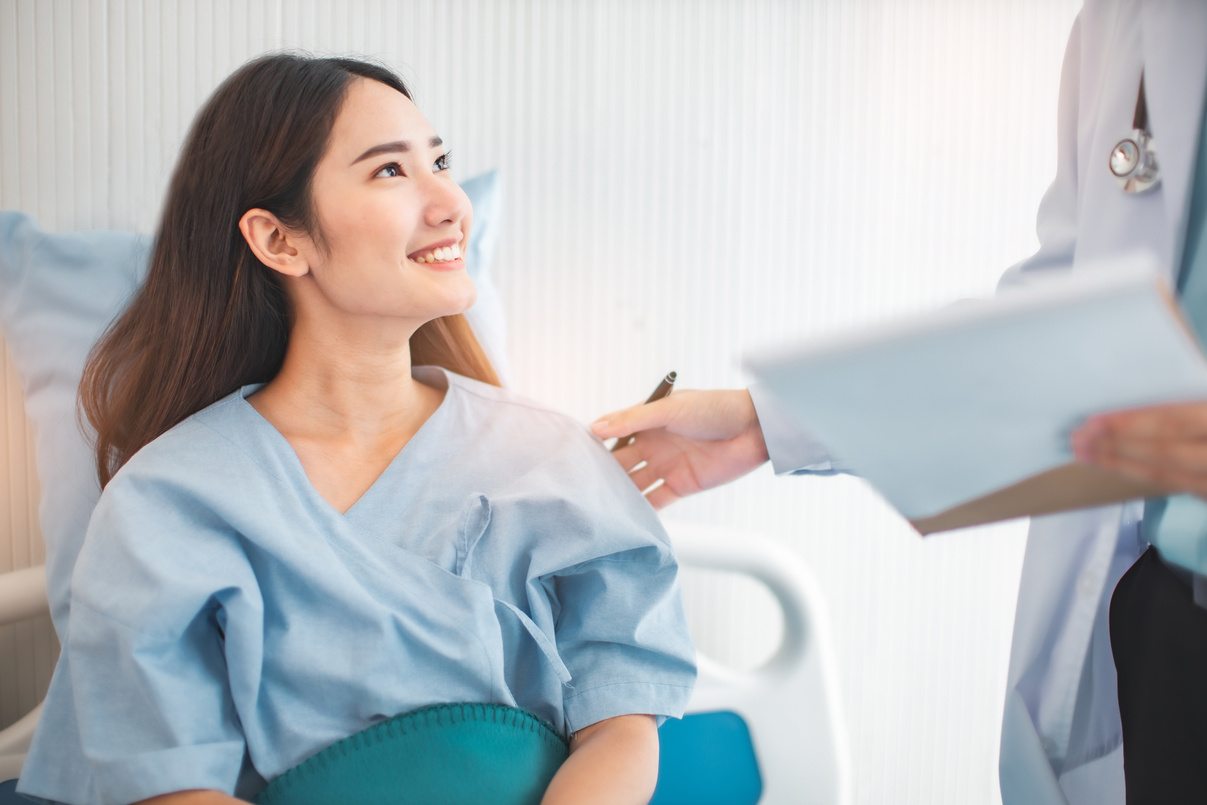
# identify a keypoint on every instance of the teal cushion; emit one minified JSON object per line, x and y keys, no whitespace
{"x":447,"y":753}
{"x":58,"y":292}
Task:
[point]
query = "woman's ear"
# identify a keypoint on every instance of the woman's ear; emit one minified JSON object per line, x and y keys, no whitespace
{"x":272,"y":244}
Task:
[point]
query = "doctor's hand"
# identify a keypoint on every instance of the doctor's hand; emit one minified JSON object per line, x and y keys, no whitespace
{"x":1164,"y":445}
{"x":691,"y":441}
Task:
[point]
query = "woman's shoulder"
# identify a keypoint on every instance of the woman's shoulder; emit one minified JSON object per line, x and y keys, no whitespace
{"x":546,"y":450}
{"x":504,"y":406}
{"x":161,"y":516}
{"x":498,"y":395}
{"x":198,"y":446}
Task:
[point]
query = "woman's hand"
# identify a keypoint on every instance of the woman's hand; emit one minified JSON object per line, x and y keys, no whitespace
{"x":1164,"y":445}
{"x":691,"y":441}
{"x":612,"y":762}
{"x":197,"y":797}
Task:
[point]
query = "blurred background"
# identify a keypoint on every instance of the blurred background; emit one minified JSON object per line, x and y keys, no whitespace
{"x":684,"y":180}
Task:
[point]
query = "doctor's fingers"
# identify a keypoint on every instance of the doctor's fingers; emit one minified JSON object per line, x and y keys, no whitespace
{"x":645,"y":477}
{"x":660,"y":469}
{"x":662,"y":489}
{"x":634,"y":419}
{"x":1168,"y":479}
{"x":676,"y":476}
{"x":630,"y":456}
{"x":650,"y":457}
{"x":1170,"y":463}
{"x":1186,"y":449}
{"x":701,"y":415}
{"x":1179,"y":420}
{"x":662,"y":496}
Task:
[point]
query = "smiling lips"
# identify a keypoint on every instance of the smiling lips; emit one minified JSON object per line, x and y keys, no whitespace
{"x":443,"y":254}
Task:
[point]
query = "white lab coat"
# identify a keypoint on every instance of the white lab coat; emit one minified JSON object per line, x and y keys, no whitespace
{"x":1061,"y":736}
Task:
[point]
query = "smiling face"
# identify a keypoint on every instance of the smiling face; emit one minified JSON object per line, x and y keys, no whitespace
{"x":393,"y":222}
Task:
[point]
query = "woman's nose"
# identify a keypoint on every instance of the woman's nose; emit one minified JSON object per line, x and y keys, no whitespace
{"x":447,"y":202}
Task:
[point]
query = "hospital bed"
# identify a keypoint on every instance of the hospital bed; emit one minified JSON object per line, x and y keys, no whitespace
{"x":771,"y":735}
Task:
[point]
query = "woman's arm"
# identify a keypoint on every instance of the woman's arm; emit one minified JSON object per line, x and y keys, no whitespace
{"x":611,"y":762}
{"x":200,"y":797}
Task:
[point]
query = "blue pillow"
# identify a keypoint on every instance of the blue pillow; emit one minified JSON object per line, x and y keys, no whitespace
{"x":486,"y":316}
{"x":58,"y":293}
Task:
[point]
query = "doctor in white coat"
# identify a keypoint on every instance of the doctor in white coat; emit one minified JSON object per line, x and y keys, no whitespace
{"x":1061,"y":732}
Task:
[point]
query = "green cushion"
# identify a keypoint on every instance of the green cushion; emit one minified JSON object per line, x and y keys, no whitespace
{"x":447,"y":753}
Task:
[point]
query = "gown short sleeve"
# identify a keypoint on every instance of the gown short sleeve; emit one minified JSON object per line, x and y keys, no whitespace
{"x":141,"y":697}
{"x":620,"y":632}
{"x":598,"y":578}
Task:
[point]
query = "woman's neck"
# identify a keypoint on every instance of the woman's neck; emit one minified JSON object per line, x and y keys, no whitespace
{"x":347,"y":407}
{"x":347,"y":386}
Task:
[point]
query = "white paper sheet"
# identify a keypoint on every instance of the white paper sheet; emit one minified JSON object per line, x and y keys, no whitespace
{"x":953,"y":406}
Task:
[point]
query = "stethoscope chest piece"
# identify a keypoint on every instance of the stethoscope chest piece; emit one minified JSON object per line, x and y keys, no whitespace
{"x":1133,"y":160}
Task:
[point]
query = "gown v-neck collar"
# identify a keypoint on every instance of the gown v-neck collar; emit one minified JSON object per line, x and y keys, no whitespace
{"x":276,"y":441}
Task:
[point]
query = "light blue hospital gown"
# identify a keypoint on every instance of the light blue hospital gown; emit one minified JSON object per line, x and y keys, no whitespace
{"x":227,"y":622}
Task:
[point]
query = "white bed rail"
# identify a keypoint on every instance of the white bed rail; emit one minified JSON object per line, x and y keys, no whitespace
{"x":790,"y":703}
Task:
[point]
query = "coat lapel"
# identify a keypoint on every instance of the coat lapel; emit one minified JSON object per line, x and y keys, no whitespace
{"x":1175,"y":77}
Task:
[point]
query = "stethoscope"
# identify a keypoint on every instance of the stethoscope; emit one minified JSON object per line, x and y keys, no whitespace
{"x":1133,"y":160}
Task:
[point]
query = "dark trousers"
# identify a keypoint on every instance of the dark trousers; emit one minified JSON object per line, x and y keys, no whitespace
{"x":1159,"y":640}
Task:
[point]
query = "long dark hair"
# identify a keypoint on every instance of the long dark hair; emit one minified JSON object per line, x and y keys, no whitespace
{"x":210,"y":317}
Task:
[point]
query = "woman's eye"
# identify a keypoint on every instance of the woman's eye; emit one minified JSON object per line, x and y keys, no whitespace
{"x":443,"y":162}
{"x":386,"y":171}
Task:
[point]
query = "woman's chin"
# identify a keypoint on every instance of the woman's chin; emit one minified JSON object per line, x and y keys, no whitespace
{"x":457,"y":303}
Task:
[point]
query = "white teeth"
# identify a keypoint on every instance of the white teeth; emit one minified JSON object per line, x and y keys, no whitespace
{"x":441,"y":255}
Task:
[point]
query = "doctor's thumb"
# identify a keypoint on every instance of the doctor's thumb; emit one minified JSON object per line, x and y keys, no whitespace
{"x":634,"y":419}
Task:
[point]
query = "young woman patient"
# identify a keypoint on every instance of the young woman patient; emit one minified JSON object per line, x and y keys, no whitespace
{"x":320,"y":510}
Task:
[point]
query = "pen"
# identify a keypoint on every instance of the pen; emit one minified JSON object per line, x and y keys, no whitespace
{"x":664,"y":388}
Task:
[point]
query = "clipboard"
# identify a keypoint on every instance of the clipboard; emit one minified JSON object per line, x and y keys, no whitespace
{"x":963,"y":417}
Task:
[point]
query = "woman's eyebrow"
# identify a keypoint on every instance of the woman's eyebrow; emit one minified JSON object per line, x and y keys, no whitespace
{"x":396,"y":147}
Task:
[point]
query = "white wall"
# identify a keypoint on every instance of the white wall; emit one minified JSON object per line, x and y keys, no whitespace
{"x":685,"y":179}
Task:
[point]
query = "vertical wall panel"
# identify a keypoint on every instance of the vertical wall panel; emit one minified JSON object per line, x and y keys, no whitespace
{"x":10,"y":132}
{"x":684,"y":181}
